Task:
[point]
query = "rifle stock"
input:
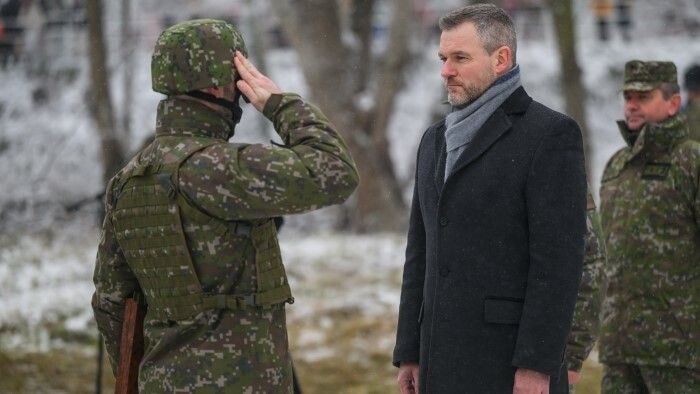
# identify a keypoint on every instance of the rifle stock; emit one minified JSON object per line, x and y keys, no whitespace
{"x":131,"y":348}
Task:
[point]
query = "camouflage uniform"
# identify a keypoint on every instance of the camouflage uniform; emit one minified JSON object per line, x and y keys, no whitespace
{"x":650,"y":212}
{"x":229,"y":348}
{"x":692,"y":108}
{"x":692,"y":113}
{"x":586,"y":323}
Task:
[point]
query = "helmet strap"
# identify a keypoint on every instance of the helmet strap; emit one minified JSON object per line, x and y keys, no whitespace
{"x":233,"y":106}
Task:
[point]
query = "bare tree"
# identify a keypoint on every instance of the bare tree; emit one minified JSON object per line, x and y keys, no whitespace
{"x":357,"y":91}
{"x":574,"y":90}
{"x":127,"y":49}
{"x":100,"y":101}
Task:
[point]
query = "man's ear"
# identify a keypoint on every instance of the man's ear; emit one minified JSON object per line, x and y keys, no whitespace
{"x":675,"y":107}
{"x":501,"y":59}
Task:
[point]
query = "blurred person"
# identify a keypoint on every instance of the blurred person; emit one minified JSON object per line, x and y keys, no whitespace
{"x":530,"y":19}
{"x":586,"y":324}
{"x":11,"y":32}
{"x":602,"y":9}
{"x":691,"y":109}
{"x":624,"y":18}
{"x":511,"y":8}
{"x":189,"y":221}
{"x":496,"y":237}
{"x":650,"y":212}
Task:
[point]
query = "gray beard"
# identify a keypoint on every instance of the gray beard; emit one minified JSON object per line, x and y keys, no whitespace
{"x":470,"y":93}
{"x":466,"y":97}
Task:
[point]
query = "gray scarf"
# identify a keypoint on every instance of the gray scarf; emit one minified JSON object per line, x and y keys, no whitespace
{"x":463,"y":123}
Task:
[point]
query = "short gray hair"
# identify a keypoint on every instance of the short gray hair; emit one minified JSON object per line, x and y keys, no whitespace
{"x":493,"y":26}
{"x":668,"y":89}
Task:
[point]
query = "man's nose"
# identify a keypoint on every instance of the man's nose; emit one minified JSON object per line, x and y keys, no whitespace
{"x":447,"y":70}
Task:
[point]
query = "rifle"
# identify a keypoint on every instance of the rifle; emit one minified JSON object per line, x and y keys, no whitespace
{"x":131,"y":347}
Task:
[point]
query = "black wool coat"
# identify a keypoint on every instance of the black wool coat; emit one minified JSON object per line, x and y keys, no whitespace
{"x":494,"y":253}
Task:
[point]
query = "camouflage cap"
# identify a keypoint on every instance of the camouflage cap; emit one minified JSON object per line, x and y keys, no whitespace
{"x":645,"y":76}
{"x":194,"y":55}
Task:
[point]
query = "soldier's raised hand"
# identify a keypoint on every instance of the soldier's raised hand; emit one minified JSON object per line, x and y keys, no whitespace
{"x":254,"y":85}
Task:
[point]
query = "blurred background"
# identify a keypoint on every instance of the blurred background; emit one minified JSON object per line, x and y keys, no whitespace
{"x":76,"y":104}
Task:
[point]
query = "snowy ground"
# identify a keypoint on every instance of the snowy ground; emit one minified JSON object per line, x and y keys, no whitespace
{"x":46,"y":282}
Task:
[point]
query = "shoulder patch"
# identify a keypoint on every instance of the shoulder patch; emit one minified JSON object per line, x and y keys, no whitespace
{"x":656,"y":170}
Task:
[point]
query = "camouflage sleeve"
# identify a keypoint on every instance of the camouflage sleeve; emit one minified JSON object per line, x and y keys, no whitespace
{"x":313,"y":167}
{"x":690,"y":162}
{"x":693,"y":120}
{"x":586,"y":323}
{"x":114,"y":283}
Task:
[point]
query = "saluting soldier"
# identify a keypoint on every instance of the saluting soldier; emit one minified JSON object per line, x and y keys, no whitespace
{"x":189,"y":219}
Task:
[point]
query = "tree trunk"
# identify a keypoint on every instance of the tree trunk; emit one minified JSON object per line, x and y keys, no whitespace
{"x":390,"y":81}
{"x":574,"y":91}
{"x":100,"y":102}
{"x":127,"y":49}
{"x":257,"y":45}
{"x":362,"y":28}
{"x":313,"y":27}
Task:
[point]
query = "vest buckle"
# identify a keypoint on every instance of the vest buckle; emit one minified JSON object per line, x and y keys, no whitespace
{"x":249,"y":299}
{"x":243,"y":228}
{"x":167,"y":183}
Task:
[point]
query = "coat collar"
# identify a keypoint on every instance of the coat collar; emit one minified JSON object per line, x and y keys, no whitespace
{"x":655,"y":137}
{"x":495,"y":127}
{"x":182,"y":116}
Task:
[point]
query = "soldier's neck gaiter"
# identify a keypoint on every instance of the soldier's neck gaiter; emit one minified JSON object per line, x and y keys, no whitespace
{"x":233,"y":106}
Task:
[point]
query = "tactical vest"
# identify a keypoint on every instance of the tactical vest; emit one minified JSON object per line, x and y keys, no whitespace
{"x":147,"y":220}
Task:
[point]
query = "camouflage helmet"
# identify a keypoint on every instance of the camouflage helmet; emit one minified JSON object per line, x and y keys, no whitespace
{"x":194,"y":55}
{"x":644,"y":76}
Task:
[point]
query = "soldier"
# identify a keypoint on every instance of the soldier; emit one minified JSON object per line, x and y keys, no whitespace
{"x":189,"y":219}
{"x":586,"y":324}
{"x":650,"y":212}
{"x":602,"y":9}
{"x":692,"y":105}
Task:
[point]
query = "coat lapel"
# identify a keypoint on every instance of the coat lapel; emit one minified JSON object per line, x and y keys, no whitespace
{"x":490,"y":132}
{"x":440,"y":157}
{"x":495,"y":127}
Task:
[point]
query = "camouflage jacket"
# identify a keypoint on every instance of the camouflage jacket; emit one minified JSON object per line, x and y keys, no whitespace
{"x":692,"y":113}
{"x":586,"y":323}
{"x":229,"y":350}
{"x":650,"y":212}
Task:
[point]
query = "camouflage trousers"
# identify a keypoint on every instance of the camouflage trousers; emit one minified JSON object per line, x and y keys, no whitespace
{"x":242,"y":351}
{"x":641,"y":379}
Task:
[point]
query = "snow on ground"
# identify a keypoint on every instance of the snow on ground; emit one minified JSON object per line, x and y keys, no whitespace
{"x":46,"y":282}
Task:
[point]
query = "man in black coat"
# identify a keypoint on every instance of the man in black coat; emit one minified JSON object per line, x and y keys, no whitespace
{"x":496,"y":235}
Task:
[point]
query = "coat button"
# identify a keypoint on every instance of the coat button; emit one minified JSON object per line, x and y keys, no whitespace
{"x":444,"y":221}
{"x":444,"y":271}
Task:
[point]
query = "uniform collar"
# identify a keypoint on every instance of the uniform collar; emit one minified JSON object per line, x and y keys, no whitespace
{"x":182,"y":116}
{"x":654,"y":137}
